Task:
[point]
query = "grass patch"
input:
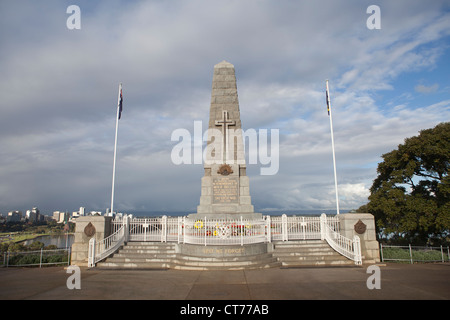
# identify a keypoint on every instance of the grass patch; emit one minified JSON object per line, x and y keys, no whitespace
{"x":418,"y":254}
{"x":34,"y":258}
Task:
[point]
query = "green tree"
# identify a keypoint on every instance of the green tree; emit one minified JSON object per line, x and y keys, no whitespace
{"x":36,"y":245}
{"x":410,"y":198}
{"x":16,"y":247}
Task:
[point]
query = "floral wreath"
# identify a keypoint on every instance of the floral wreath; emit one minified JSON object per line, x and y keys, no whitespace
{"x":198,"y":224}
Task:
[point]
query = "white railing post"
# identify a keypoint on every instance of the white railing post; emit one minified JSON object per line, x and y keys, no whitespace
{"x":323,"y":221}
{"x":204,"y":226}
{"x":164,"y":229}
{"x":69,"y":251}
{"x":284,"y":235}
{"x":40,"y":260}
{"x":357,"y":250}
{"x":242,"y":232}
{"x":268,"y":230}
{"x":410,"y":254}
{"x":125,"y":227}
{"x":180,"y":228}
{"x":145,"y":225}
{"x":184,"y":230}
{"x":91,"y":254}
{"x":303,"y":228}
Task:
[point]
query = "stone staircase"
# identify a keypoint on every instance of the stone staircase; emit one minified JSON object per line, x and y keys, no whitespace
{"x":141,"y":255}
{"x":156,"y":255}
{"x":307,"y":253}
{"x":289,"y":254}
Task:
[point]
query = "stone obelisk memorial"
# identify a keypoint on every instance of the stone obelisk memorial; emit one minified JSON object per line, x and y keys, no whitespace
{"x":225,"y":195}
{"x":225,"y":189}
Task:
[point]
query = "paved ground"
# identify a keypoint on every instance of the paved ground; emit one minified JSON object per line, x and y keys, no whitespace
{"x":398,"y":281}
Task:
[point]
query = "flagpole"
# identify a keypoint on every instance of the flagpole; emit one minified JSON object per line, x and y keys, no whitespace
{"x":332,"y":146}
{"x":115,"y":150}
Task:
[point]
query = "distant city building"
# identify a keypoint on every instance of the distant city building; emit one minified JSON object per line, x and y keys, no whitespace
{"x":33,"y":215}
{"x":46,"y":218}
{"x":81,"y":212}
{"x":14,"y":216}
{"x":55,"y":215}
{"x":60,"y":216}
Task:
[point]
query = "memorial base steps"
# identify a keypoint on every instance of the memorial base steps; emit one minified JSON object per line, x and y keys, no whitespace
{"x":306,"y":253}
{"x":288,"y":254}
{"x":151,"y":255}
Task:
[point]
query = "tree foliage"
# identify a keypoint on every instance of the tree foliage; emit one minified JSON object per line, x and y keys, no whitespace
{"x":410,"y":197}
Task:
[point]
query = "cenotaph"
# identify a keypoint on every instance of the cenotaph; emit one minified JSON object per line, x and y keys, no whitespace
{"x":224,"y":201}
{"x":225,"y":189}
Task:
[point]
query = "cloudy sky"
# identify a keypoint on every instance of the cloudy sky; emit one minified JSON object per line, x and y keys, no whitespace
{"x":59,"y":94}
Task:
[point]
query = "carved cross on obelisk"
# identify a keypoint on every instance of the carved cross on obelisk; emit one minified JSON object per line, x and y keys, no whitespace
{"x":225,"y":123}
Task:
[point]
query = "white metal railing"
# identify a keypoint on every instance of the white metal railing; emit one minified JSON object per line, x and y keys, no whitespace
{"x":286,"y":228}
{"x":225,"y":232}
{"x":160,"y":229}
{"x":145,"y":229}
{"x":99,"y":250}
{"x":350,"y":248}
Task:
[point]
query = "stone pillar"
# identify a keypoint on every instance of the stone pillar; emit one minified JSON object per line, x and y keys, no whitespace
{"x":363,"y":226}
{"x":86,"y":228}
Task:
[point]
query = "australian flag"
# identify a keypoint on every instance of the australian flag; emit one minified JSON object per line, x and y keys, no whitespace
{"x":120,"y":101}
{"x":328,"y":102}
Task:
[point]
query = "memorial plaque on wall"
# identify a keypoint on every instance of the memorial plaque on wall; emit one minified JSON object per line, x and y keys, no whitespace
{"x":225,"y":190}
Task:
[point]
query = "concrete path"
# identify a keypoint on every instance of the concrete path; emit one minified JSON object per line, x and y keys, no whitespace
{"x":398,"y":281}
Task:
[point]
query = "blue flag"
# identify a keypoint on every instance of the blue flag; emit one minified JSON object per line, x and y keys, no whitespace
{"x":328,"y":103}
{"x":120,"y":102}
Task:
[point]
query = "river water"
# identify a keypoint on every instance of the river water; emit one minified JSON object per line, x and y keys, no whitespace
{"x":60,"y":241}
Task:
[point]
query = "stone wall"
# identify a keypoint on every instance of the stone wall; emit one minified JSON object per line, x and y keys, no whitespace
{"x":363,"y":226}
{"x":86,"y":228}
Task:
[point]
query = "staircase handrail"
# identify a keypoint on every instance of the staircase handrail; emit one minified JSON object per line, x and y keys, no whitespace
{"x":350,"y":248}
{"x":104,"y":248}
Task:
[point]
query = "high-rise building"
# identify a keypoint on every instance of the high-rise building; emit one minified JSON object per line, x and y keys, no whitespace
{"x":56,"y":216}
{"x":60,"y":216}
{"x":33,"y":215}
{"x":14,"y":216}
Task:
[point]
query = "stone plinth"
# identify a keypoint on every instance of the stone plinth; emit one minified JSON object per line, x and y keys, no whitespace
{"x":212,"y":251}
{"x":226,"y":216}
{"x":363,"y":226}
{"x":86,"y":228}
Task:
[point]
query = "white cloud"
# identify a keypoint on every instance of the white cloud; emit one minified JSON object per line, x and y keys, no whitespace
{"x":426,"y":89}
